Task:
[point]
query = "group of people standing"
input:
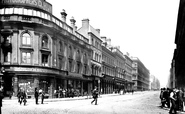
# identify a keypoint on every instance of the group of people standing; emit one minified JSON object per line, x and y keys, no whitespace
{"x":173,"y":99}
{"x":22,"y":96}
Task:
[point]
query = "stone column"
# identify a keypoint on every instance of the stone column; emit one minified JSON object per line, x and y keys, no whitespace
{"x":36,"y":83}
{"x":51,"y":88}
{"x":15,"y":85}
{"x":82,"y":90}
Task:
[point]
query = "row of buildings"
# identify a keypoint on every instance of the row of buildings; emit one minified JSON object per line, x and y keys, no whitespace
{"x":40,"y":50}
{"x":177,"y":72}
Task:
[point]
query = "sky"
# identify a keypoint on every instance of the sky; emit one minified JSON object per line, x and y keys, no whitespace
{"x":143,"y":28}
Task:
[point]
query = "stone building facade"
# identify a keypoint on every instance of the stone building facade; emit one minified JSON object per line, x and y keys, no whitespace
{"x":141,"y":75}
{"x":40,"y":50}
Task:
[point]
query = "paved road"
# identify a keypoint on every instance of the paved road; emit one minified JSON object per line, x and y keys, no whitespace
{"x":139,"y":103}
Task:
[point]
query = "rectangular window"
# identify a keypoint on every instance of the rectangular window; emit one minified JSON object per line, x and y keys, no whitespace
{"x":34,"y":13}
{"x":45,"y":60}
{"x":25,"y":11}
{"x":49,"y":17}
{"x":2,"y":11}
{"x":53,"y":19}
{"x":16,"y":10}
{"x":42,"y":14}
{"x":45,"y":16}
{"x":38,"y":14}
{"x":29,"y":12}
{"x":26,"y":57}
{"x":20,"y":11}
{"x":8,"y":10}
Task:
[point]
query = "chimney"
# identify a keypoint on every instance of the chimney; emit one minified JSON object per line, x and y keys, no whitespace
{"x":98,"y":30}
{"x":108,"y":41}
{"x":63,"y":14}
{"x":104,"y":40}
{"x":85,"y":23}
{"x":73,"y":24}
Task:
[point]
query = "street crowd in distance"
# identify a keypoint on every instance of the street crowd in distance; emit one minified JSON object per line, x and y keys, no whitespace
{"x":172,"y":99}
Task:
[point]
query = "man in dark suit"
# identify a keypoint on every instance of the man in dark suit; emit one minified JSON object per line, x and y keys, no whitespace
{"x":36,"y":96}
{"x":95,"y":95}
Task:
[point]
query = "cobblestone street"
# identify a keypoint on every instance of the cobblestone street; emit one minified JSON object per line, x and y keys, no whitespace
{"x":139,"y":103}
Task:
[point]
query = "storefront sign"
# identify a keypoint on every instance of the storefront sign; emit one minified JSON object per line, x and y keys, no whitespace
{"x":42,"y":4}
{"x":34,"y":70}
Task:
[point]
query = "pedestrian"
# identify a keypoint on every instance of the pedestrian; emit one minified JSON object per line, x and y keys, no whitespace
{"x":132,"y":91}
{"x":36,"y":96}
{"x":1,"y":96}
{"x":42,"y":97}
{"x":24,"y":97}
{"x":19,"y":96}
{"x":95,"y":95}
{"x":173,"y":98}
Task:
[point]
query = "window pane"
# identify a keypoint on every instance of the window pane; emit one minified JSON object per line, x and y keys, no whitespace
{"x":20,"y":11}
{"x":7,"y":11}
{"x":2,"y":11}
{"x":26,"y":39}
{"x":28,"y":58}
{"x":16,"y":10}
{"x":25,"y":12}
{"x":34,"y":13}
{"x":29,"y":12}
{"x":42,"y":14}
{"x":23,"y":57}
{"x":38,"y":13}
{"x":49,"y":18}
{"x":45,"y":16}
{"x":11,"y":11}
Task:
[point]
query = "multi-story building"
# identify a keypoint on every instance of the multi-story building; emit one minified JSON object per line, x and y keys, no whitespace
{"x":141,"y":75}
{"x":154,"y":83}
{"x":39,"y":50}
{"x":129,"y":72}
{"x":95,"y":41}
{"x":120,"y":69}
{"x":177,"y":78}
{"x":108,"y":67}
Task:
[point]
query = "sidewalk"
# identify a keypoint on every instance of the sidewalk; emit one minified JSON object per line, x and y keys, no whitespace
{"x":14,"y":99}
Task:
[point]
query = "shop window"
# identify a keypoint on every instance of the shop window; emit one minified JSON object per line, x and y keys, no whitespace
{"x":26,"y":84}
{"x":45,"y":42}
{"x":45,"y":60}
{"x":26,"y":57}
{"x":26,"y":39}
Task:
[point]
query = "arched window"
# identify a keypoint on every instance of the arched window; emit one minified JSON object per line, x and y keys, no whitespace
{"x":26,"y":39}
{"x":45,"y":42}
